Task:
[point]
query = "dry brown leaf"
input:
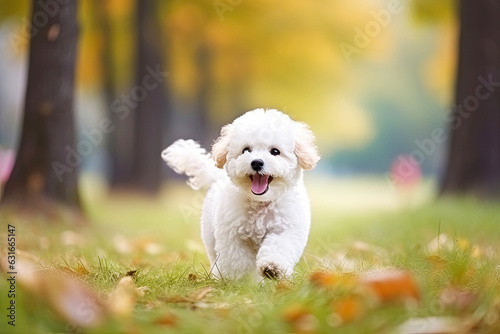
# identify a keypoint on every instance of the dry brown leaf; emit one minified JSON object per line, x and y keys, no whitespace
{"x":167,"y":319}
{"x":300,"y":318}
{"x":349,"y":308}
{"x":69,"y":298}
{"x":67,"y":270}
{"x":82,"y":269}
{"x":195,"y":299}
{"x":324,"y":279}
{"x":122,"y":300}
{"x":200,"y":294}
{"x":74,"y":301}
{"x":131,"y":273}
{"x":331,"y":280}
{"x":391,"y":286}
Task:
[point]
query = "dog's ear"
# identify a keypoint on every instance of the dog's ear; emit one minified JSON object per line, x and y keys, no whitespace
{"x":305,"y":146}
{"x":220,"y":147}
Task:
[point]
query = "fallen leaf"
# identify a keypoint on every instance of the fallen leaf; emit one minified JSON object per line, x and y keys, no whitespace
{"x":74,"y":301}
{"x":122,"y":300}
{"x":200,"y":294}
{"x":331,"y":280}
{"x":131,"y":272}
{"x":167,"y":319}
{"x":300,"y":318}
{"x":391,"y":286}
{"x":82,"y":269}
{"x":69,"y":298}
{"x":195,"y":299}
{"x":349,"y":308}
{"x":324,"y":279}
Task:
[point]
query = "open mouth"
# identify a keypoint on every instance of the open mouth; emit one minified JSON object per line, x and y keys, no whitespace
{"x":260,"y":183}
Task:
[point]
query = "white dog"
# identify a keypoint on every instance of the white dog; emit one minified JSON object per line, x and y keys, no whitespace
{"x":255,"y":217}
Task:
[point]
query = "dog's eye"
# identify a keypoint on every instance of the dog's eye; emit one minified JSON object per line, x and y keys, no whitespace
{"x":275,"y":151}
{"x":246,"y":149}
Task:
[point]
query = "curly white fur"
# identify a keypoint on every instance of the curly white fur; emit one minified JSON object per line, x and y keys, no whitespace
{"x":254,"y":219}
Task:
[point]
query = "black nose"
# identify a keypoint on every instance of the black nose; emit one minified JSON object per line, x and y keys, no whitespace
{"x":257,"y":165}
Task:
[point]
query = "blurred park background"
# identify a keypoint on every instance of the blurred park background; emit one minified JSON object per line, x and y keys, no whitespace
{"x":370,"y":77}
{"x":402,"y":95}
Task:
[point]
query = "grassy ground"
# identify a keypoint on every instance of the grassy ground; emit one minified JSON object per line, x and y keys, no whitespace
{"x":144,"y":260}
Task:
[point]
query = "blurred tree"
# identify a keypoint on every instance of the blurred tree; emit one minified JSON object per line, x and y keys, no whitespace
{"x":149,"y":95}
{"x":121,"y":139}
{"x":473,"y":164}
{"x":46,"y":167}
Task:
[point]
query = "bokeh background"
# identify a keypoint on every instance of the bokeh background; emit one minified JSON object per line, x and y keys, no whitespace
{"x":370,"y":77}
{"x":95,"y":219}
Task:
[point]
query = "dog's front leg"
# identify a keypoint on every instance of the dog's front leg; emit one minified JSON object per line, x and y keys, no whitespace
{"x":234,"y":258}
{"x":280,"y":252}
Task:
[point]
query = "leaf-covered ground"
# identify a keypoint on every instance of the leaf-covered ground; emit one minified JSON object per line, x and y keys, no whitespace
{"x":141,"y":268}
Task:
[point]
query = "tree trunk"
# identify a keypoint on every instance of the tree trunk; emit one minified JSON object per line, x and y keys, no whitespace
{"x":473,"y":165}
{"x":46,"y":168}
{"x":150,"y":95}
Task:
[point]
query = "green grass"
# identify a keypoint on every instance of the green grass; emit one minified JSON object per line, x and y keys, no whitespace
{"x":159,"y":239}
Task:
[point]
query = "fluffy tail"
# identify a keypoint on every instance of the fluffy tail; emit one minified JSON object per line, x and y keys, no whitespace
{"x":187,"y":157}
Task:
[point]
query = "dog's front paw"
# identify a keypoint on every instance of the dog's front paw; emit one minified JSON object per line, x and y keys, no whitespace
{"x":272,"y":271}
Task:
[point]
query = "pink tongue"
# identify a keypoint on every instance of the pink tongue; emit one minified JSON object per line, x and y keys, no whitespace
{"x":259,"y":183}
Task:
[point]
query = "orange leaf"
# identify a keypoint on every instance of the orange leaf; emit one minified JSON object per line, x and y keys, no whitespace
{"x":300,"y":319}
{"x":391,"y":286}
{"x":167,"y":319}
{"x":324,"y":279}
{"x":349,"y":308}
{"x":330,"y":280}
